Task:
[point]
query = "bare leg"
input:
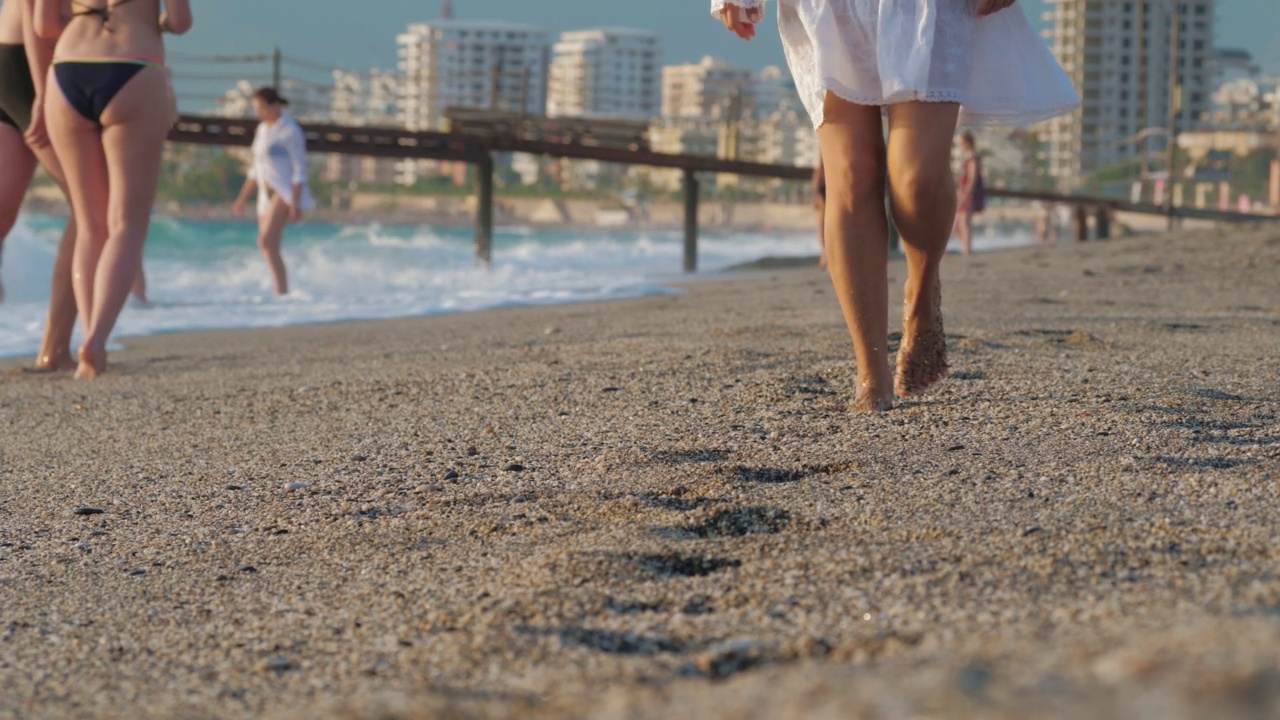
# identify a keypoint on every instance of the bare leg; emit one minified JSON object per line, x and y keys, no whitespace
{"x":19,"y":167}
{"x":924,"y":203}
{"x":270,"y":233}
{"x":857,"y":240}
{"x":822,"y":235}
{"x":79,"y":149}
{"x":55,"y":348}
{"x":964,"y":221}
{"x":140,"y":285}
{"x":132,"y":141}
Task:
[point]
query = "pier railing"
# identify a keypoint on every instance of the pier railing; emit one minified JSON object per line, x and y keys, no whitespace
{"x":476,"y":146}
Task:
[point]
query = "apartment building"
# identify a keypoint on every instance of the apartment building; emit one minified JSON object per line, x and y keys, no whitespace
{"x":606,"y":73}
{"x":1118,"y":54}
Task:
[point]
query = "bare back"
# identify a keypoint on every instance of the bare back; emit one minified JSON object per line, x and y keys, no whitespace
{"x":118,"y":29}
{"x":11,"y":22}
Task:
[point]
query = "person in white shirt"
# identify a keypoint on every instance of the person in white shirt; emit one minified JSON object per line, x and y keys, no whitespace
{"x":279,"y":172}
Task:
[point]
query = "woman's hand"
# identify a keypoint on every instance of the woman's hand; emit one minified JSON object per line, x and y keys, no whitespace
{"x":237,"y":207}
{"x":741,"y":21}
{"x":294,"y":214}
{"x":990,"y":7}
{"x":37,"y":135}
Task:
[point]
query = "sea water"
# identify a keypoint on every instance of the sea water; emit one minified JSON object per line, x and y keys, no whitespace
{"x":209,"y":274}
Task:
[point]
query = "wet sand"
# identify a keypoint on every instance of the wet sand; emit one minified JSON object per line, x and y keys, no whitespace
{"x":660,"y":508}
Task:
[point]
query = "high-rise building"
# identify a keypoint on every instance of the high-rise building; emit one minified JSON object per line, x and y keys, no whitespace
{"x":362,"y":99}
{"x":703,"y":89}
{"x":473,"y":64}
{"x":1118,"y":54}
{"x":606,"y":73}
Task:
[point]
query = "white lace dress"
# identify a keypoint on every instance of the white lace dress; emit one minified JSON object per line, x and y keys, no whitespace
{"x":881,"y":52}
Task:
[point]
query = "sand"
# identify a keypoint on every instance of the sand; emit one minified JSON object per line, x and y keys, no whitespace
{"x":660,"y":508}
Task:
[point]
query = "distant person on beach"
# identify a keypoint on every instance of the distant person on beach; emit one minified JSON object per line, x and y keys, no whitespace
{"x":24,"y":65}
{"x":279,"y":172}
{"x":1047,"y":223}
{"x":971,"y":196}
{"x":820,"y":203}
{"x":856,"y":62}
{"x":108,"y":119}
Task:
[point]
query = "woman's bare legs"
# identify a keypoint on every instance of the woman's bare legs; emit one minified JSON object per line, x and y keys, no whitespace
{"x":964,"y":229}
{"x":19,"y":167}
{"x":19,"y":163}
{"x":924,"y":206}
{"x":125,"y":157}
{"x":140,"y":286}
{"x":856,"y":233}
{"x":55,"y":348}
{"x":270,"y":233}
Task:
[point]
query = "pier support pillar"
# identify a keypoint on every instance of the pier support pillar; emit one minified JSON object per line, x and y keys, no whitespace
{"x":484,"y":209}
{"x":1082,"y":223}
{"x":690,"y":221}
{"x":1102,"y":222}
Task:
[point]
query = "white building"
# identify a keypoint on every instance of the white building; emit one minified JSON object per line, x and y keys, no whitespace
{"x":365,"y":98}
{"x":1248,"y":102}
{"x":1118,"y":55}
{"x":606,"y":73}
{"x":362,"y":99}
{"x":468,"y":63}
{"x":702,"y":89}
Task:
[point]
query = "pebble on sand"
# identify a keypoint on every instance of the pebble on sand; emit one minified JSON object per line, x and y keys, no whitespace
{"x":273,"y":664}
{"x":87,"y":511}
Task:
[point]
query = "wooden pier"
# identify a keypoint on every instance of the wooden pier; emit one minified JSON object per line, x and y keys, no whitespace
{"x":477,"y":143}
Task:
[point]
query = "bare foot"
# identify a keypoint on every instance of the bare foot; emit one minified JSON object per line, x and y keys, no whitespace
{"x":52,"y":363}
{"x":922,"y":358}
{"x":93,"y":362}
{"x":871,"y":402}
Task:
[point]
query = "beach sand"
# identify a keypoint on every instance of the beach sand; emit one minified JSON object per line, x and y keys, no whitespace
{"x":659,"y":508}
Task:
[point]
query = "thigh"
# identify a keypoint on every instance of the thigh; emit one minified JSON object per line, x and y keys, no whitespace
{"x":851,"y":140}
{"x":19,"y":167}
{"x":78,"y":146}
{"x":271,"y":225}
{"x":135,"y":126}
{"x":921,"y":135}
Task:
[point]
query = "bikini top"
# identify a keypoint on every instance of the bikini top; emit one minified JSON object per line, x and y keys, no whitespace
{"x":103,"y":13}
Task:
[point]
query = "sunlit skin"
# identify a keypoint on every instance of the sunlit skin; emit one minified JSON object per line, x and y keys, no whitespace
{"x":915,"y":165}
{"x":19,"y":156}
{"x":963,"y":229}
{"x":113,"y":165}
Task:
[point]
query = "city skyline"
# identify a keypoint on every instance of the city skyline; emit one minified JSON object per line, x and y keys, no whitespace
{"x":354,"y":39}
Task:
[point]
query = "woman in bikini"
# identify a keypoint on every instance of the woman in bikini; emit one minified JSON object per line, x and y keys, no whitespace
{"x":279,"y":172}
{"x":108,"y":114}
{"x":916,"y":64}
{"x":24,"y":62}
{"x":971,"y":195}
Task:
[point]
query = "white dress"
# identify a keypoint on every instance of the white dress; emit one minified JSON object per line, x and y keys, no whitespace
{"x":881,"y":52}
{"x":280,"y":161}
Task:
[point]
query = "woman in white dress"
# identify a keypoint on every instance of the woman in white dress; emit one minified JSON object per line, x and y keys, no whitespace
{"x":922,"y":66}
{"x":279,"y":173}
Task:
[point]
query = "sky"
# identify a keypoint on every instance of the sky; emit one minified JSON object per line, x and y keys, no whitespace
{"x":352,"y":35}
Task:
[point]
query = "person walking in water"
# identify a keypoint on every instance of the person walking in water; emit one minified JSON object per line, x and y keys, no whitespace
{"x":971,"y":197}
{"x":279,"y":172}
{"x":916,"y":63}
{"x":24,"y":65}
{"x":108,"y":115}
